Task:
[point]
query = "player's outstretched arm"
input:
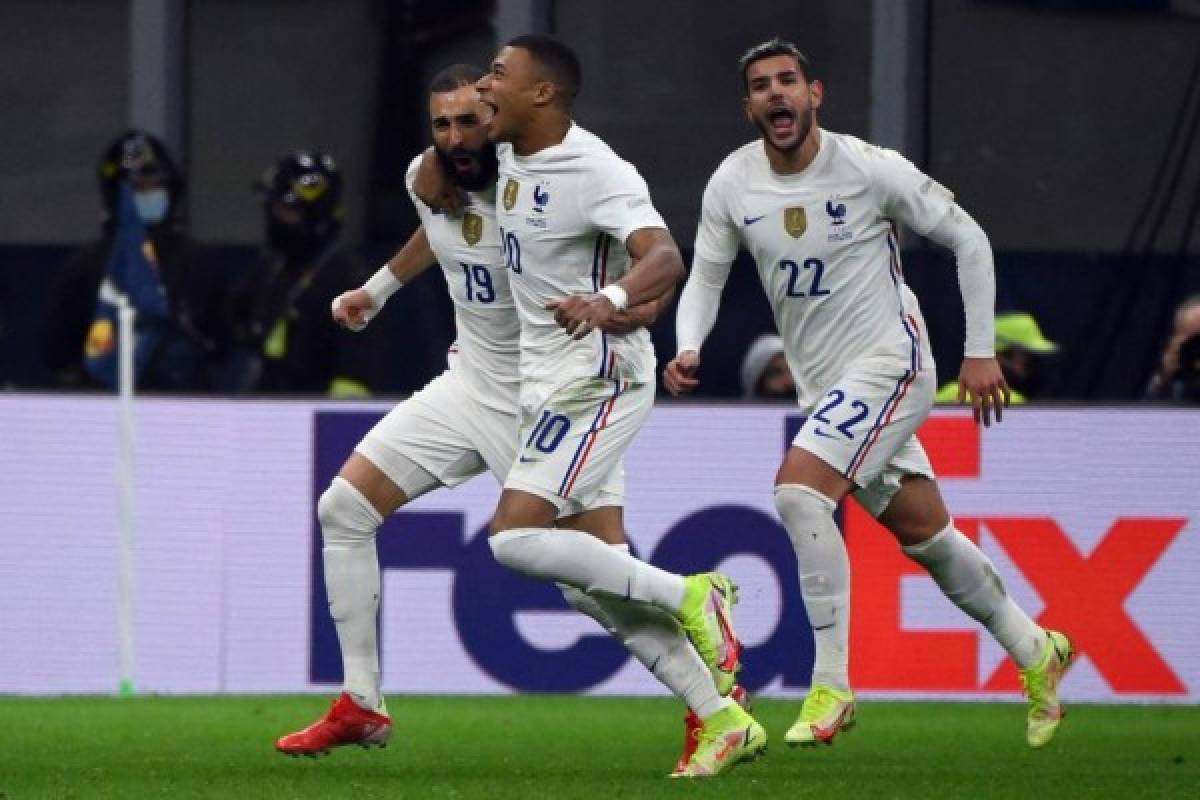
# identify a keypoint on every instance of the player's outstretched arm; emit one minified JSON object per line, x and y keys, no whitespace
{"x":355,"y":308}
{"x":660,"y":268}
{"x":434,"y":187}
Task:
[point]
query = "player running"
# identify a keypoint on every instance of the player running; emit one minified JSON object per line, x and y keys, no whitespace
{"x":462,"y":423}
{"x":817,"y":211}
{"x":573,"y":217}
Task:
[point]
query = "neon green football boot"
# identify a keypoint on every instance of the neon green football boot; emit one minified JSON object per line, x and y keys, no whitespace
{"x":1041,"y":687}
{"x":729,"y":737}
{"x":826,"y":712}
{"x":707,"y":619}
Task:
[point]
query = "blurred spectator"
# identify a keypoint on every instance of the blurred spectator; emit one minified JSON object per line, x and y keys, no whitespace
{"x":1178,"y":375}
{"x":184,"y":346}
{"x":286,"y":340}
{"x":1020,"y":348}
{"x":765,"y":371}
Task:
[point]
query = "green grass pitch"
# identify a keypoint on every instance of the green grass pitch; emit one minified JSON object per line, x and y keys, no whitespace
{"x":566,"y":747}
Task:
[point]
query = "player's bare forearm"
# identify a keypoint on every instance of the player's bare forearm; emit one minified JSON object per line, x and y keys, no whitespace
{"x":355,"y":308}
{"x":659,"y":269}
{"x":413,"y":258}
{"x":639,"y":316}
{"x":659,"y":266}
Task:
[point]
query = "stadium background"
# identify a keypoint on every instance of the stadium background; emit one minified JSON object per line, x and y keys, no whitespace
{"x":1068,"y":128}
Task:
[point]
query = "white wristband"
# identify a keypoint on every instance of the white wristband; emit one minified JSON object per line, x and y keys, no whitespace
{"x":618,"y":296}
{"x":382,"y":285}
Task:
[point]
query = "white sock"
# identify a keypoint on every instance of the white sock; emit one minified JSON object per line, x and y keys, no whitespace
{"x":583,"y":561}
{"x":348,"y":526}
{"x":655,"y":639}
{"x":967,"y":577}
{"x":824,"y":577}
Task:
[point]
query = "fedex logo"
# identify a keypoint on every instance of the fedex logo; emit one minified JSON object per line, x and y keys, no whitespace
{"x":1082,"y":593}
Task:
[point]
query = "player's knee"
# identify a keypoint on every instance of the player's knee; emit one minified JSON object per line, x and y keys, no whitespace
{"x":799,"y":504}
{"x":346,"y":516}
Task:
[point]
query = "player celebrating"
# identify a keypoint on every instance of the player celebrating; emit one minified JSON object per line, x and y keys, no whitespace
{"x":573,"y":216}
{"x":462,"y":423}
{"x":817,"y":211}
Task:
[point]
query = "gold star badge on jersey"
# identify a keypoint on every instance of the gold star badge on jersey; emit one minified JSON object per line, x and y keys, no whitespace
{"x":795,"y":222}
{"x":510,"y":194}
{"x":472,"y":228}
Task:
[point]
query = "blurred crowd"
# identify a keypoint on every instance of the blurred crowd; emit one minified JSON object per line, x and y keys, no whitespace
{"x":196,"y":331}
{"x":269,"y":330}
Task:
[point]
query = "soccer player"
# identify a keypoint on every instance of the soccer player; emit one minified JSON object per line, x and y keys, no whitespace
{"x":574,"y":217}
{"x":462,"y":423}
{"x":818,"y":211}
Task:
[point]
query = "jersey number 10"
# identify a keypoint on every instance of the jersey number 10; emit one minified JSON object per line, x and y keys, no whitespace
{"x":512,"y":250}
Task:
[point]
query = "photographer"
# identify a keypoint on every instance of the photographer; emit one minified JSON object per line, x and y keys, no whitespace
{"x":1178,"y":375}
{"x":285,"y":340}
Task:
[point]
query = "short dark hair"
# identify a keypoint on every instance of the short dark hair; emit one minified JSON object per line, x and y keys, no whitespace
{"x":774,"y":47}
{"x":559,"y":61}
{"x":455,"y":77}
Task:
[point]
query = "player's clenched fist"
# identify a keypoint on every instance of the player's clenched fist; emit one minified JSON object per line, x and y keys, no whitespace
{"x":680,"y":375}
{"x":353,"y":309}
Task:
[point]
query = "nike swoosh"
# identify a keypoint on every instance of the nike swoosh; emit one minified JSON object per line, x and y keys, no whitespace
{"x":525,"y":460}
{"x":752,"y":220}
{"x":823,"y":432}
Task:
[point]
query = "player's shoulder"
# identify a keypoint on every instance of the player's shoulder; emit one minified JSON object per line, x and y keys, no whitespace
{"x":595,"y":161}
{"x":410,"y":174}
{"x":870,"y":159}
{"x":740,"y":163}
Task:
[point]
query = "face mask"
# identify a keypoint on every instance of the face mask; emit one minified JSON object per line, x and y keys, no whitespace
{"x":152,"y":205}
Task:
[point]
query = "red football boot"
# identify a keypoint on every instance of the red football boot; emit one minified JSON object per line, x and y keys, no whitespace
{"x":692,"y":726}
{"x":345,"y":723}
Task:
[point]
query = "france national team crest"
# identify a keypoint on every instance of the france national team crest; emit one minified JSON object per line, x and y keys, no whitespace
{"x":510,"y":194}
{"x":541,"y":198}
{"x":472,"y":228}
{"x":795,"y":222}
{"x":837,"y":218}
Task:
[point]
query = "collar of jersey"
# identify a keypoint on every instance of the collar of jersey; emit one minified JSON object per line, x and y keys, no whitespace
{"x":824,"y":149}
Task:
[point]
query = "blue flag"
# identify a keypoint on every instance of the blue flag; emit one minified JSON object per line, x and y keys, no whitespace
{"x":133,"y":273}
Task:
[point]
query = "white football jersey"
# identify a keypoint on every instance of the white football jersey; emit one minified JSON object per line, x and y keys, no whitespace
{"x":564,"y":214}
{"x":824,"y":241}
{"x":467,"y":246}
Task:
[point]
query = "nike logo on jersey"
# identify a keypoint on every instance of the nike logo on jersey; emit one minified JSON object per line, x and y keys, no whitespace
{"x":525,"y":460}
{"x":823,"y":432}
{"x":752,"y":220}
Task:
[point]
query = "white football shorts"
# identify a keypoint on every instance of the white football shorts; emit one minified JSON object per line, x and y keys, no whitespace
{"x":447,"y":432}
{"x":865,"y":426}
{"x":572,"y":443}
